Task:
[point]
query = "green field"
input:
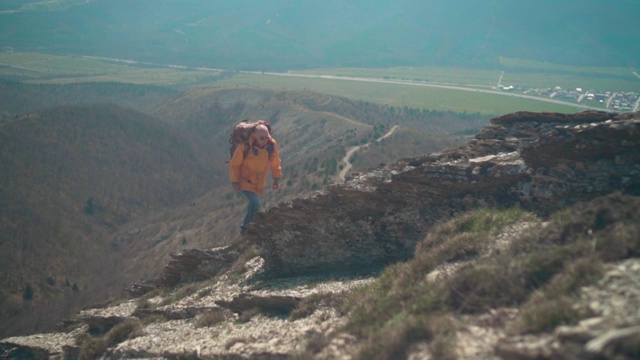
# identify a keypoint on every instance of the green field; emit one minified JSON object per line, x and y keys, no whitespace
{"x":400,"y":95}
{"x":442,"y":75}
{"x":543,"y":66}
{"x":52,"y":69}
{"x":522,"y":73}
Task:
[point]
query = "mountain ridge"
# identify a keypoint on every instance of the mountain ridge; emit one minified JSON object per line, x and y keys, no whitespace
{"x":284,"y":35}
{"x":486,"y":279}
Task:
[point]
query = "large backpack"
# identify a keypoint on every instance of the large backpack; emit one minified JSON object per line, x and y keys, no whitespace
{"x":241,"y":133}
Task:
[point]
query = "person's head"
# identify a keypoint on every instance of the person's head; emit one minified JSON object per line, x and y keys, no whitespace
{"x":261,"y":134}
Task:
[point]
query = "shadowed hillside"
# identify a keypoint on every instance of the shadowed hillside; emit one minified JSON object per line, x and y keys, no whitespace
{"x":69,"y":177}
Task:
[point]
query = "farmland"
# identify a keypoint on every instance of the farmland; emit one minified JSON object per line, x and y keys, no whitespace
{"x":434,"y":88}
{"x":395,"y":94}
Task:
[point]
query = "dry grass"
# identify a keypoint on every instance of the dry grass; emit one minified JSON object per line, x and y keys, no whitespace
{"x":553,"y":305}
{"x":93,"y":347}
{"x":311,"y":303}
{"x":212,"y":318}
{"x":402,"y":309}
{"x":541,"y":273}
{"x":629,"y":347}
{"x":247,"y":315}
{"x":240,"y":266}
{"x":184,"y":292}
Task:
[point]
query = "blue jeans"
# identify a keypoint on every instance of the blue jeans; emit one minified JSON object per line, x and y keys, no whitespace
{"x":252,"y":209}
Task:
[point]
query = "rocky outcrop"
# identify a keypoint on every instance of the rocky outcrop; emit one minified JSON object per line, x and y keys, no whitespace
{"x":539,"y":161}
{"x":188,"y":266}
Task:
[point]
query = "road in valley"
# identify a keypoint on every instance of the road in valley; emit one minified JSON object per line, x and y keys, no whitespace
{"x":346,"y":163}
{"x":359,"y":79}
{"x":423,"y":84}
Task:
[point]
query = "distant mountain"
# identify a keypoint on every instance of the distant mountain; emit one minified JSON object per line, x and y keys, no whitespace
{"x":290,"y":34}
{"x":17,"y":98}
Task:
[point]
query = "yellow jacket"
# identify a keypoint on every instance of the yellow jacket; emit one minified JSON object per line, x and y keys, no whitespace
{"x":251,"y":172}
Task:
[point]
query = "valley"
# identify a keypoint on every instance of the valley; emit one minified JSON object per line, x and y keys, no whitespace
{"x":90,"y":204}
{"x":96,"y":196}
{"x":428,"y":87}
{"x":459,"y":179}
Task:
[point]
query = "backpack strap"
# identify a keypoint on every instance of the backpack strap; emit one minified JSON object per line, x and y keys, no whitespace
{"x":247,"y":147}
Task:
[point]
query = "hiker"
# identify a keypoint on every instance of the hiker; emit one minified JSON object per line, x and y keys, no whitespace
{"x":248,"y":169}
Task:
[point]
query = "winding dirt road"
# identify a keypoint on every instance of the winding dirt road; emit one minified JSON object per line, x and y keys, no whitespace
{"x":346,"y":163}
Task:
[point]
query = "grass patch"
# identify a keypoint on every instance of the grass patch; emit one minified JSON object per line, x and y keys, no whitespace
{"x":553,"y":305}
{"x":469,"y":234}
{"x":401,"y":292}
{"x":93,"y":347}
{"x":310,"y":304}
{"x":247,"y":315}
{"x":316,"y":342}
{"x":541,"y":315}
{"x":395,"y":340}
{"x":541,"y":272}
{"x":203,"y":293}
{"x":628,"y":346}
{"x":240,"y":266}
{"x":479,"y":287}
{"x":400,"y":335}
{"x":607,"y":225}
{"x":145,"y":304}
{"x":152,"y":319}
{"x":507,"y":280}
{"x":212,"y":318}
{"x":183,"y":292}
{"x":551,"y":263}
